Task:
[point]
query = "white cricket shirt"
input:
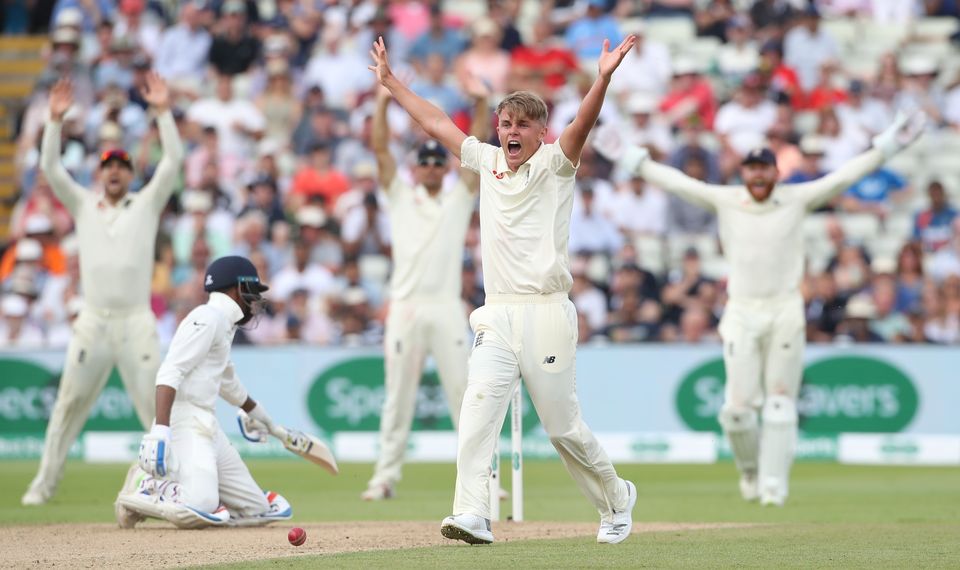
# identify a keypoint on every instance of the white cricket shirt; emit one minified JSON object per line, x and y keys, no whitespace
{"x":763,"y":242}
{"x":116,"y":241}
{"x":427,"y":236}
{"x":198,"y":364}
{"x":524,"y":219}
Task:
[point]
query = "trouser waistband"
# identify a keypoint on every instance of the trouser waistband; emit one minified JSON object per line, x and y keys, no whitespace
{"x":547,"y":298}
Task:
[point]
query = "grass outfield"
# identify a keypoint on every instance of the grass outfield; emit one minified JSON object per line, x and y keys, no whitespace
{"x":837,"y":516}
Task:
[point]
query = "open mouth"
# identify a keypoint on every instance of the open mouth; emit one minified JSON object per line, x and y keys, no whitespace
{"x":513,"y":149}
{"x":758,"y":185}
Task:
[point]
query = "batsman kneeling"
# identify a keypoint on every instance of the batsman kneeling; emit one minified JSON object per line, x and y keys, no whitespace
{"x":187,"y":471}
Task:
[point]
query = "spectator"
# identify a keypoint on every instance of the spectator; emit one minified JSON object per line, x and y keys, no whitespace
{"x":357,"y":326}
{"x":366,"y":230}
{"x":484,"y":59}
{"x":16,"y":328}
{"x":889,"y":324}
{"x":115,"y":106}
{"x":505,"y":14}
{"x":855,"y":327}
{"x":827,"y":92}
{"x":910,"y":279}
{"x":811,"y":150}
{"x":638,"y":209}
{"x":862,"y":112}
{"x":436,"y":85}
{"x":825,"y":309}
{"x":318,"y":179}
{"x":643,"y":129}
{"x":184,"y":48}
{"x":940,"y":326}
{"x":317,"y":231}
{"x":318,"y":125}
{"x":684,"y":217}
{"x":38,"y":246}
{"x":690,"y":96}
{"x":437,"y":40}
{"x":807,"y":46}
{"x":238,"y":122}
{"x":946,"y":262}
{"x":234,"y":49}
{"x":683,"y":286}
{"x":473,"y":294}
{"x":341,"y":73}
{"x":277,"y":103}
{"x":714,"y":19}
{"x":301,"y":273}
{"x":780,"y":77}
{"x":876,"y":193}
{"x":133,"y":23}
{"x":589,"y":300}
{"x":201,"y":220}
{"x":742,"y":124}
{"x":739,"y":56}
{"x":646,"y":69}
{"x":789,"y":157}
{"x":586,"y":35}
{"x":933,"y":226}
{"x":695,"y":325}
{"x":304,"y":321}
{"x":589,"y":231}
{"x":543,"y":64}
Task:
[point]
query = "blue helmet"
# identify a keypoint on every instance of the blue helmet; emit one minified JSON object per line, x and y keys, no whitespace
{"x":232,"y":270}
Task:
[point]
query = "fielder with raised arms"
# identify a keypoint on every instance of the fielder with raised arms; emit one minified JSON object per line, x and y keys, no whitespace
{"x":187,"y":471}
{"x":528,"y":326}
{"x":763,"y":328}
{"x":116,"y":233}
{"x":428,"y":228}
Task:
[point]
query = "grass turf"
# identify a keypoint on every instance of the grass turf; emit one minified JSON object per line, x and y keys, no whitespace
{"x":837,"y":516}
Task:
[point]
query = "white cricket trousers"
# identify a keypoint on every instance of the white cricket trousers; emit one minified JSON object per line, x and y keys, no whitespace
{"x":208,"y":468}
{"x":763,"y":342}
{"x":416,"y":328}
{"x":533,"y":337}
{"x":101,"y":340}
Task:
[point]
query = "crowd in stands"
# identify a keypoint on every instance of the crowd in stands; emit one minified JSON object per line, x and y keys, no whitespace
{"x":274,"y":102}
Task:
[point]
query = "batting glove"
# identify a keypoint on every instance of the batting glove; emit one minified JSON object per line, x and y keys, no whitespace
{"x":255,"y":425}
{"x":154,"y":455}
{"x":905,"y":129}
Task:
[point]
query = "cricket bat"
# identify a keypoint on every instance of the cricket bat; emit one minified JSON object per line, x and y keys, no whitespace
{"x":307,"y":446}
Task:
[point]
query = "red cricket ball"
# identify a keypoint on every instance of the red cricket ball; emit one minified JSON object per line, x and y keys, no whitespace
{"x":297,"y":536}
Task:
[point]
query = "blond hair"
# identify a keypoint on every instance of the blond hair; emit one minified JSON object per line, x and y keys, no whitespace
{"x":524,"y":105}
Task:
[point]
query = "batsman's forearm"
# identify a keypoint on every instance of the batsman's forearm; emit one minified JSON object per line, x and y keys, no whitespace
{"x":427,"y":114}
{"x":165,"y":398}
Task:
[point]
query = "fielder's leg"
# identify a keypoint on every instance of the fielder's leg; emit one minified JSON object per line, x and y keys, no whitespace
{"x":138,"y":359}
{"x":783,"y":371}
{"x":86,"y":369}
{"x":548,"y":367}
{"x":450,"y":348}
{"x":493,"y":375}
{"x":403,"y":353}
{"x":742,"y":359}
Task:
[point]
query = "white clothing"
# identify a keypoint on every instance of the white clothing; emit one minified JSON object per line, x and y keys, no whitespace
{"x":763,"y":242}
{"x":806,"y":52}
{"x":341,"y":76}
{"x":951,"y":107}
{"x":594,"y":234}
{"x":643,"y":214}
{"x":315,"y":278}
{"x":29,"y":337}
{"x":415,"y":329}
{"x":428,"y":240}
{"x":869,"y":119}
{"x":524,"y":218}
{"x":533,"y":337}
{"x":116,"y":241}
{"x":745,"y":127}
{"x":208,"y":467}
{"x":648,"y":70}
{"x":737,"y":61}
{"x":355,"y":226}
{"x":223,"y":115}
{"x":198,"y":364}
{"x":183,"y":53}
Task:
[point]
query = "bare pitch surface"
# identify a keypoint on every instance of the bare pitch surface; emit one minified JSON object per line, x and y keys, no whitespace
{"x":838,"y":516}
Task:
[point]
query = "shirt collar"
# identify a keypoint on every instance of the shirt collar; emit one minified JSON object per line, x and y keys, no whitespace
{"x":227,"y":306}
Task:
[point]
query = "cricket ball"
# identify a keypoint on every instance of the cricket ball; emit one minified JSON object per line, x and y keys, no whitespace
{"x":297,"y":536}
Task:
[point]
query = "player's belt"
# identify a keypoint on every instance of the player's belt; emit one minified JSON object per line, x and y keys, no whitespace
{"x":533,"y":298}
{"x":115,"y":312}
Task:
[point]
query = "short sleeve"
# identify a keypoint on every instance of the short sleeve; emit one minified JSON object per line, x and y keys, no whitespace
{"x":559,"y":162}
{"x":470,"y":154}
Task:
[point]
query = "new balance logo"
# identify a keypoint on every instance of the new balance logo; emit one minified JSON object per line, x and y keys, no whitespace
{"x":209,"y":280}
{"x":479,"y":340}
{"x":549,"y":359}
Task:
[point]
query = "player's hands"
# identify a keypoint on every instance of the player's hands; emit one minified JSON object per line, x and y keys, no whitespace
{"x":154,"y":457}
{"x":61,"y":97}
{"x":476,"y":87}
{"x":904,"y":130}
{"x":610,"y":60}
{"x":155,"y":92}
{"x":255,"y":424}
{"x":608,"y":142}
{"x":380,"y":66}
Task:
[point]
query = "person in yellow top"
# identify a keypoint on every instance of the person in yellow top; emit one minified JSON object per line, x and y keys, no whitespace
{"x":528,"y":326}
{"x":428,"y":228}
{"x":116,"y":232}
{"x":763,"y":325}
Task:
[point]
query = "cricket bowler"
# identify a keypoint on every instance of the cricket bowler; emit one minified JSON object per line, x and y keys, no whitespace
{"x":763,"y":326}
{"x":528,"y":326}
{"x":116,"y":231}
{"x":187,"y":471}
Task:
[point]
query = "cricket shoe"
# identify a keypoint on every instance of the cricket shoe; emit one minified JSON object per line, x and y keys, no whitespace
{"x":378,"y":492}
{"x":471,"y":529}
{"x":616,"y":529}
{"x":772,"y":493}
{"x":749,"y":487}
{"x":34,"y":498}
{"x":128,"y":518}
{"x":280,"y":510}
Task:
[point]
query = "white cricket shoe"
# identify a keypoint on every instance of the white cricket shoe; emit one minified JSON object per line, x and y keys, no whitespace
{"x":34,"y":498}
{"x":127,"y":518}
{"x":468,"y":528}
{"x":617,"y":528}
{"x":772,"y":493}
{"x":749,"y":487}
{"x":378,"y":492}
